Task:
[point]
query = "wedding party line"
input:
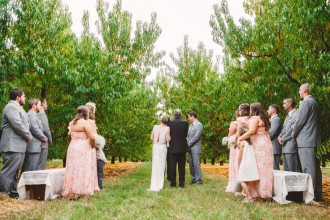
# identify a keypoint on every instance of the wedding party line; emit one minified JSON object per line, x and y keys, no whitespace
{"x":256,"y":143}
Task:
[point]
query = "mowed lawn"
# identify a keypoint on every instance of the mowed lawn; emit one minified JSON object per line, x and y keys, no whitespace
{"x":127,"y":197}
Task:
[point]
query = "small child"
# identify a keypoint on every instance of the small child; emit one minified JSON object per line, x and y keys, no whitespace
{"x":248,"y":170}
{"x":101,"y":161}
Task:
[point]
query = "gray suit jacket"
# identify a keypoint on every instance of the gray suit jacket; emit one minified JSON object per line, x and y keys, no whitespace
{"x":306,"y":129}
{"x":45,"y":124}
{"x":289,"y":145}
{"x":274,"y":132}
{"x":194,"y":137}
{"x":15,"y":129}
{"x":37,"y":132}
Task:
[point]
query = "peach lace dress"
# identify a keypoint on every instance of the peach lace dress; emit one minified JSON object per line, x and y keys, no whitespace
{"x":233,"y":183}
{"x":264,"y":157}
{"x":80,"y":173}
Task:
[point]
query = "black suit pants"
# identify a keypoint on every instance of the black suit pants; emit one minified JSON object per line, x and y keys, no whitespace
{"x":180,"y":159}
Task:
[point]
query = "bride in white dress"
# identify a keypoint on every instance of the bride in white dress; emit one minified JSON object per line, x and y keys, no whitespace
{"x":160,"y":135}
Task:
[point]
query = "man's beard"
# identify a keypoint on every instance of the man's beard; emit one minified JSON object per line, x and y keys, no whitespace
{"x":21,"y":102}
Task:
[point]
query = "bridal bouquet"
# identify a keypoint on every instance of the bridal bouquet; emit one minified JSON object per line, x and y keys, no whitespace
{"x":225,"y":141}
{"x":99,"y":141}
{"x":230,"y":142}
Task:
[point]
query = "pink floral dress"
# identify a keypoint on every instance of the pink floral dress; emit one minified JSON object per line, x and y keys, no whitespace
{"x":264,"y":156}
{"x":80,"y":173}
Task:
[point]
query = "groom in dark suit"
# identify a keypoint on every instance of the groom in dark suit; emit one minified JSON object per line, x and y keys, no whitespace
{"x":178,"y":147}
{"x":306,"y":132}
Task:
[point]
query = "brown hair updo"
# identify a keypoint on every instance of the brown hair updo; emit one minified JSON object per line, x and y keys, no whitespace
{"x":165,"y":119}
{"x":82,"y":112}
{"x":245,"y":109}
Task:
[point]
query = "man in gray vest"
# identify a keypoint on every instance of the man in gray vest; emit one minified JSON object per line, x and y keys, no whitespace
{"x":274,"y":132}
{"x":289,"y":146}
{"x":37,"y":131}
{"x":306,"y":132}
{"x":15,"y":136}
{"x":194,"y":140}
{"x":45,"y":124}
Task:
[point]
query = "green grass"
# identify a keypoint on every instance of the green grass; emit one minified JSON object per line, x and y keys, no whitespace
{"x":126,"y":197}
{"x":326,"y":171}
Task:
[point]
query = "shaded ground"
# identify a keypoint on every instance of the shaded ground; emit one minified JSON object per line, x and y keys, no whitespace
{"x":9,"y":205}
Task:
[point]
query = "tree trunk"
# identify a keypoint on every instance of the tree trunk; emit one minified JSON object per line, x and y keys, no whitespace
{"x":204,"y":160}
{"x":64,"y":162}
{"x":324,"y":161}
{"x":125,"y":159}
{"x":213,"y":161}
{"x":113,"y":159}
{"x":120,"y":160}
{"x":221,"y":163}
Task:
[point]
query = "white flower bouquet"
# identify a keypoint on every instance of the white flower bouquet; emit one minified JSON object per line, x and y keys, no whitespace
{"x":225,"y":141}
{"x":230,"y":142}
{"x":99,"y":141}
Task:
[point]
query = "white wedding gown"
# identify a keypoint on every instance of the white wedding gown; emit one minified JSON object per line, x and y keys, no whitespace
{"x":159,"y":153}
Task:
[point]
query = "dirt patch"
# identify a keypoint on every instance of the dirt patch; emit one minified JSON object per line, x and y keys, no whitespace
{"x":119,"y":169}
{"x":8,"y":206}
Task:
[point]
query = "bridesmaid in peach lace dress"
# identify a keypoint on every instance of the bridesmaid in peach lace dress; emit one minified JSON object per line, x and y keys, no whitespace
{"x":233,"y":185}
{"x":242,"y":117}
{"x":80,"y":174}
{"x":258,"y":132}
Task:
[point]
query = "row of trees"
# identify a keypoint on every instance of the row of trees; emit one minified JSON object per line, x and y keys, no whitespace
{"x":266,"y":58}
{"x":41,"y":54}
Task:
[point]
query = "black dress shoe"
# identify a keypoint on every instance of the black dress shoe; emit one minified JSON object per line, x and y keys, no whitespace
{"x":193,"y":182}
{"x":13,"y":195}
{"x":199,"y":183}
{"x":319,"y":199}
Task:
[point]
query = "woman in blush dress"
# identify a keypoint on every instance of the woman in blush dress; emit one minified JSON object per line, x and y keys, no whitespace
{"x":258,"y":132}
{"x":233,"y":185}
{"x":244,"y":112}
{"x":80,"y":173}
{"x":160,"y":135}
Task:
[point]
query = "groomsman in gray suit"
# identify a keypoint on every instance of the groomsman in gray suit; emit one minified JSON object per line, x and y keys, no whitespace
{"x":306,"y":132}
{"x":15,"y":136}
{"x":274,"y":132}
{"x":289,"y":146}
{"x":45,"y":124}
{"x":194,"y":140}
{"x":37,"y":131}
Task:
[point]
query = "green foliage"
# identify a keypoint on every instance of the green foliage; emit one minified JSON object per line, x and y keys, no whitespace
{"x":285,"y":45}
{"x":42,"y":56}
